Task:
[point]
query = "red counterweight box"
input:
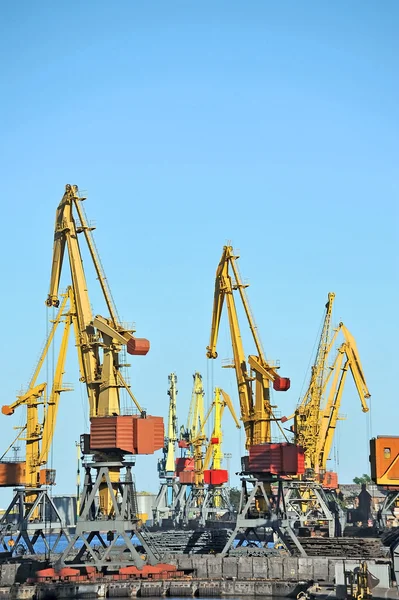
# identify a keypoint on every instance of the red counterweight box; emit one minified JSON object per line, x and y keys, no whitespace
{"x":184,"y":464}
{"x":215,"y":476}
{"x":276,"y":459}
{"x":128,"y":433}
{"x":186,"y":477}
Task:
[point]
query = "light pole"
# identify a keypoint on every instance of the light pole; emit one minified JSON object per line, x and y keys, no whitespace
{"x":228,"y":457}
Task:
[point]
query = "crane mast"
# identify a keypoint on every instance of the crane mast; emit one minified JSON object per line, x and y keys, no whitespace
{"x":214,"y":454}
{"x":256,"y":410}
{"x":172,"y":427}
{"x":307,"y":414}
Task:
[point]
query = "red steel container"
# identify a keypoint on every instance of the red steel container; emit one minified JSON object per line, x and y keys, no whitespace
{"x":214,"y":440}
{"x":138,"y":346}
{"x":276,"y":459}
{"x":68,"y":572}
{"x":281,"y":384}
{"x":186,"y":477}
{"x":215,"y":476}
{"x":184,"y":464}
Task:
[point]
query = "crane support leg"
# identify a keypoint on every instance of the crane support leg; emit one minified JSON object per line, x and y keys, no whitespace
{"x":311,"y":508}
{"x":386,"y":513}
{"x":30,"y":520}
{"x":217,"y":500}
{"x":261,"y":518}
{"x":107,"y":542}
{"x":168,"y":511}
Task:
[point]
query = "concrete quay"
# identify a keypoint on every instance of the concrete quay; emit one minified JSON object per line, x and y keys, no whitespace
{"x":207,"y":576}
{"x":150,"y":589}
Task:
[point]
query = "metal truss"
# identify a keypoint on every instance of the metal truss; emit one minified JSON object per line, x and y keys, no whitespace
{"x":386,"y":513}
{"x":262,"y":516}
{"x":216,"y":500}
{"x":170,"y":509}
{"x":32,"y":517}
{"x":109,"y":543}
{"x":309,"y":506}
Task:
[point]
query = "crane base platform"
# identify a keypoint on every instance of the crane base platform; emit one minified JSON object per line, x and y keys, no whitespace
{"x":262,"y":518}
{"x":310,"y":507}
{"x":109,"y":543}
{"x":170,"y":509}
{"x":216,"y":501}
{"x":32,"y":524}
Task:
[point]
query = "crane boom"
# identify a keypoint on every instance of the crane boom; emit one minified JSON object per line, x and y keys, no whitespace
{"x":172,"y":426}
{"x":99,"y":340}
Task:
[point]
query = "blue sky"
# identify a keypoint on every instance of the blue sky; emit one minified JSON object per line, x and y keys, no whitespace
{"x":272,"y":125}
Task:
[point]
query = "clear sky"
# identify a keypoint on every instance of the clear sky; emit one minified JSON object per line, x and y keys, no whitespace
{"x":270,"y":124}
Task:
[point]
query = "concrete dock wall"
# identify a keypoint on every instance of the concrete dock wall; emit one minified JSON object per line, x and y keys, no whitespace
{"x":284,"y":568}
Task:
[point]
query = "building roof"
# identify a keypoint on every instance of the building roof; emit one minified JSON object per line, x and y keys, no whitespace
{"x":353,"y":489}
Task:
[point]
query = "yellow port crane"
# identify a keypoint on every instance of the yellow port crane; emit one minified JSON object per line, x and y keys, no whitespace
{"x":207,"y":453}
{"x":217,"y":497}
{"x":192,"y":437}
{"x":256,"y":410}
{"x":316,"y":416}
{"x":39,"y":435}
{"x":214,"y":454}
{"x":169,"y":496}
{"x":31,"y":505}
{"x":100,"y":342}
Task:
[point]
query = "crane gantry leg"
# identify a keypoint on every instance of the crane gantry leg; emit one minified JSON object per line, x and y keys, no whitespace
{"x":114,"y":535}
{"x":27,"y":526}
{"x":262,"y":517}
